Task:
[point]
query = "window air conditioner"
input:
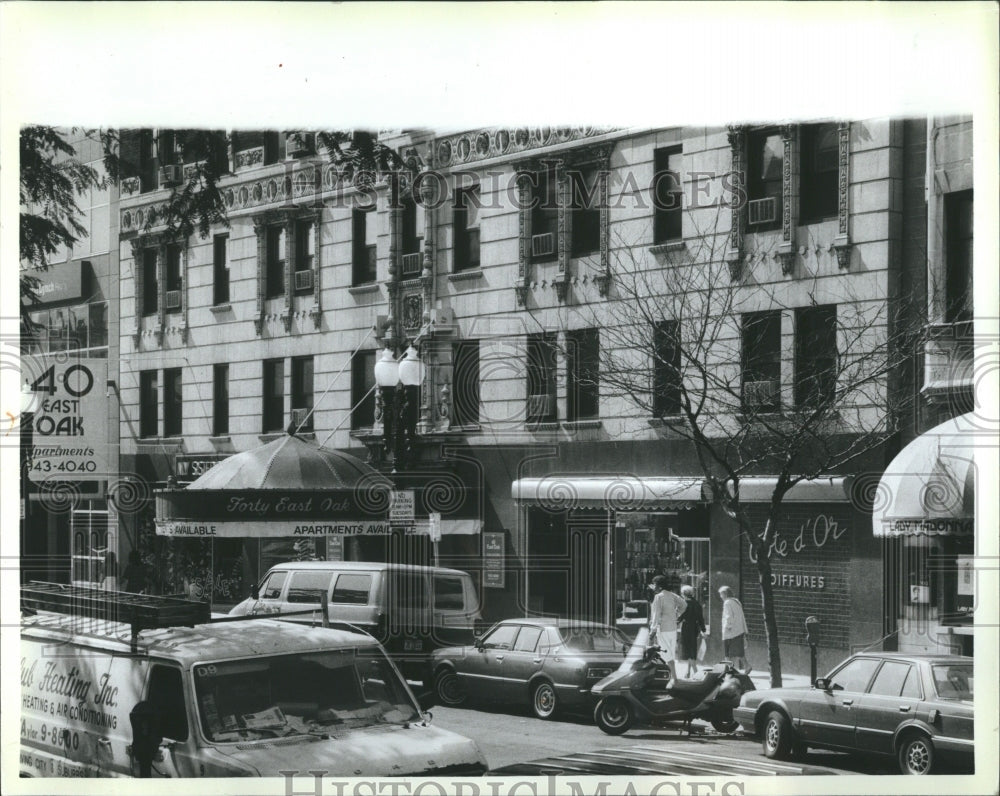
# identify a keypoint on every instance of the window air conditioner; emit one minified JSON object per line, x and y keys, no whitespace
{"x":540,"y":407}
{"x":762,"y":211}
{"x":411,"y":264}
{"x":299,"y":417}
{"x":173,"y":300}
{"x":757,"y":394}
{"x":543,"y":244}
{"x":300,"y":144}
{"x":170,"y":176}
{"x":304,"y":280}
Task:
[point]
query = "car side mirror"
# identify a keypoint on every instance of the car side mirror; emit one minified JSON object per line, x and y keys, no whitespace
{"x":426,"y":700}
{"x":254,"y":592}
{"x":823,"y":684}
{"x":624,"y":650}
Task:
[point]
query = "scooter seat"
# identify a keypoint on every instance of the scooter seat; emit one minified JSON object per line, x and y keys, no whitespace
{"x":694,"y":690}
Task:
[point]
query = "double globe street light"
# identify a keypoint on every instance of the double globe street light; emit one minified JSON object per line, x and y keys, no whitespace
{"x":398,"y":383}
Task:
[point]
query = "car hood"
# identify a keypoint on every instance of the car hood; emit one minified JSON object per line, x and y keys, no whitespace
{"x":385,"y":751}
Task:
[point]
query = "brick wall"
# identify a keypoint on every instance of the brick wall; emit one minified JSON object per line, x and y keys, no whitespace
{"x":811,"y":578}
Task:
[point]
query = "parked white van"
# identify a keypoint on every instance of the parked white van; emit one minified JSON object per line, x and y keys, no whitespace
{"x":411,"y":610}
{"x":217,"y":699}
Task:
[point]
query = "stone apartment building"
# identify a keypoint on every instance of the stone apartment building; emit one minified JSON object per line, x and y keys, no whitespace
{"x":500,"y":259}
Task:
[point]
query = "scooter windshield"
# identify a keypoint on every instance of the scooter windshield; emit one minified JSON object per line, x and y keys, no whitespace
{"x":636,"y":651}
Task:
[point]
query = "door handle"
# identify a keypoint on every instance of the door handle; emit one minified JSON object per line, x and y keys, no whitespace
{"x":847,"y":702}
{"x":499,"y":657}
{"x":536,"y":660}
{"x":904,"y":708}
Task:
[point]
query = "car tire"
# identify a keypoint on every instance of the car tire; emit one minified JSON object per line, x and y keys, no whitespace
{"x":777,"y":736}
{"x":916,"y":754}
{"x":450,"y":690}
{"x":613,"y":715}
{"x":543,"y":700}
{"x":725,"y":724}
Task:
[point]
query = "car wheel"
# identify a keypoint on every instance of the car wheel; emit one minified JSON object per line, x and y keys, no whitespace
{"x":777,"y":736}
{"x":543,"y":700}
{"x":916,"y":754}
{"x":450,"y":690}
{"x":613,"y":715}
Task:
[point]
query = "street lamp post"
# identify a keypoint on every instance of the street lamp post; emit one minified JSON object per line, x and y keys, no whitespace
{"x":398,"y":384}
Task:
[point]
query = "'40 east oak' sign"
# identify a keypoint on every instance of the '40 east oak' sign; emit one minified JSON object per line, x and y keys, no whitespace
{"x":69,"y":423}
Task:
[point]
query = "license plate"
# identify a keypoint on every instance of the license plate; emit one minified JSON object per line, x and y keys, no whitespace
{"x":412,"y":645}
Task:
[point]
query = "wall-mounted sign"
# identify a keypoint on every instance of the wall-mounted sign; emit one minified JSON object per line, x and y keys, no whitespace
{"x":189,"y":467}
{"x":69,"y":425}
{"x":402,"y":508}
{"x":59,"y":282}
{"x":494,"y":562}
{"x":335,"y":548}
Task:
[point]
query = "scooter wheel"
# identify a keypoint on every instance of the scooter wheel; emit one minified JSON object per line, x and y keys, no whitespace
{"x":613,"y":715}
{"x":725,"y":726}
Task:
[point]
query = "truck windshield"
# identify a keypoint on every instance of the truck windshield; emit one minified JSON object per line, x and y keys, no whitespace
{"x":311,"y":693}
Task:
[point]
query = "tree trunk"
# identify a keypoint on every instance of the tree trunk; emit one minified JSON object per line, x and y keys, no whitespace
{"x":770,"y":622}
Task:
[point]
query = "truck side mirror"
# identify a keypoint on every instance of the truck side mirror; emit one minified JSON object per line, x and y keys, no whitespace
{"x":146,"y":735}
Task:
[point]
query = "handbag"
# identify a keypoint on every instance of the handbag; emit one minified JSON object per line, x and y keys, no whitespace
{"x":702,"y":648}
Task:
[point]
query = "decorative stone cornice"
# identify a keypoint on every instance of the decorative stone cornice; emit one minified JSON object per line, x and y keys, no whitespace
{"x":477,"y":145}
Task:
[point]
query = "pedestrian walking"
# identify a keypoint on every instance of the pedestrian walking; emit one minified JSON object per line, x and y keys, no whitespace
{"x":734,"y":629}
{"x":136,"y":576}
{"x":667,"y":606}
{"x":692,"y":623}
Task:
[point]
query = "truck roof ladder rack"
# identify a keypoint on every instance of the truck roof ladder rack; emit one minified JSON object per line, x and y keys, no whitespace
{"x":142,"y":611}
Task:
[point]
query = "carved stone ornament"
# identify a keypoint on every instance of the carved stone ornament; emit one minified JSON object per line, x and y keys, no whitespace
{"x":787,"y":259}
{"x":521,"y":294}
{"x":603,"y":282}
{"x":562,"y":290}
{"x":843,"y":252}
{"x":412,"y":311}
{"x":735,"y":268}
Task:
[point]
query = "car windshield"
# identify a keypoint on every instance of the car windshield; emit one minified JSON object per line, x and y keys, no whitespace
{"x":593,"y":639}
{"x":953,"y":680}
{"x":310,"y":693}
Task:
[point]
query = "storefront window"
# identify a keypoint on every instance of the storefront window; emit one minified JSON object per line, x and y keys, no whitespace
{"x":651,"y":544}
{"x":83,"y":327}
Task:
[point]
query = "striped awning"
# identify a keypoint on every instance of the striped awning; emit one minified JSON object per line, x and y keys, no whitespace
{"x":929,"y":488}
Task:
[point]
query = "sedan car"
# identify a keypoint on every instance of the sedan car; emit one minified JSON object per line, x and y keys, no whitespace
{"x":916,"y":707}
{"x":548,"y":663}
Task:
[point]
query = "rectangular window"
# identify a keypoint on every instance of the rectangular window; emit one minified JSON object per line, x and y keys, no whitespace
{"x":275,"y":252}
{"x":465,"y":219}
{"x":220,"y":400}
{"x":582,"y":374}
{"x":586,"y":223}
{"x":449,"y":594}
{"x":667,"y":194}
{"x":363,"y":256}
{"x":666,"y":369}
{"x":465,"y":384}
{"x":220,"y":269}
{"x":166,"y":148}
{"x":815,"y":355}
{"x":305,"y":250}
{"x":818,"y":164}
{"x":544,"y":217}
{"x":352,"y":589}
{"x":302,"y":392}
{"x":149,"y":404}
{"x":274,"y":395}
{"x":362,"y":394}
{"x":958,"y":256}
{"x":541,"y":373}
{"x":412,"y":223}
{"x":761,"y":346}
{"x":150,"y":284}
{"x":173,"y":402}
{"x":765,"y":154}
{"x":173,"y":278}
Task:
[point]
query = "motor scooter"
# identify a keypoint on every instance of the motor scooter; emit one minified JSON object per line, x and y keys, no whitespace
{"x":643,"y":691}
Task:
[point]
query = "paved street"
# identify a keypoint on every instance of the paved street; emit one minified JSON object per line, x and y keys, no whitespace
{"x":511,"y":735}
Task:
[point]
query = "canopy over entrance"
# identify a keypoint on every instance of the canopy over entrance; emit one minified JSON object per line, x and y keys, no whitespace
{"x":929,"y":488}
